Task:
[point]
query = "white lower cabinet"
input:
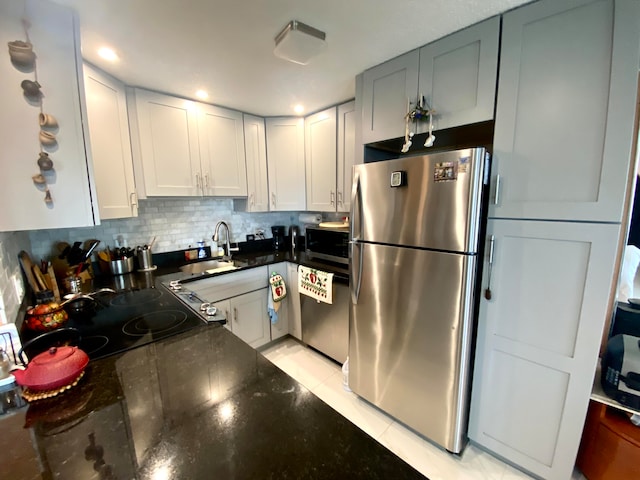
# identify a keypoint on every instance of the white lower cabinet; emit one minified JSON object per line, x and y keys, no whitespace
{"x":293,"y":302}
{"x":249,"y":319}
{"x":538,"y":340}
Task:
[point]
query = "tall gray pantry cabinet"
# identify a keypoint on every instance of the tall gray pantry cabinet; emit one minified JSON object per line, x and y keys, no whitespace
{"x":561,"y":167}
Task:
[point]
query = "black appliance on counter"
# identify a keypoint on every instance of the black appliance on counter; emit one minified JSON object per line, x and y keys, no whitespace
{"x":116,"y":322}
{"x":621,"y":370}
{"x":278,"y":237}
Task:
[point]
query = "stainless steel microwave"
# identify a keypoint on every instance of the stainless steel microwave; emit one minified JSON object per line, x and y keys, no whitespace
{"x":328,"y":243}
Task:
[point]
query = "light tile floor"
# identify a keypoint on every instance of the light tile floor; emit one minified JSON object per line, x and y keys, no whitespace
{"x":324,"y":379}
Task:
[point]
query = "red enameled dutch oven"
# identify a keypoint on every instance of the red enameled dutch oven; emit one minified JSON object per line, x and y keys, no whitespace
{"x":55,"y":368}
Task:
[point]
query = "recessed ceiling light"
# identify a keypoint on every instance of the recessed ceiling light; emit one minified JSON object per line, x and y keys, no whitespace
{"x":108,"y":54}
{"x":298,"y":109}
{"x":202,"y":94}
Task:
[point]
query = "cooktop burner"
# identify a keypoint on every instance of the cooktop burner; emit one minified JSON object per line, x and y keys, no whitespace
{"x":154,"y":322}
{"x":136,"y":297}
{"x":128,"y":319}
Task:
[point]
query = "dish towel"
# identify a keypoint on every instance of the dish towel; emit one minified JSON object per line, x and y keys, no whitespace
{"x":315,"y":284}
{"x":278,"y":293}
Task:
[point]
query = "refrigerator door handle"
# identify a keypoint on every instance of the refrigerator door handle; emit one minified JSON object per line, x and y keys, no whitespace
{"x":356,"y":283}
{"x":356,"y":206}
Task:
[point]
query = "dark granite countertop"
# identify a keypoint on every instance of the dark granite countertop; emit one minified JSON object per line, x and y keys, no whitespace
{"x":199,"y":405}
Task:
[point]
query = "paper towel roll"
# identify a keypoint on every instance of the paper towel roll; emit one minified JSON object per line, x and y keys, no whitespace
{"x":310,"y":218}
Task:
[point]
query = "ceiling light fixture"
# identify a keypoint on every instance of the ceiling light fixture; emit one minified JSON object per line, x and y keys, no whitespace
{"x":299,"y":43}
{"x":108,"y":54}
{"x":298,"y":109}
{"x":202,"y":94}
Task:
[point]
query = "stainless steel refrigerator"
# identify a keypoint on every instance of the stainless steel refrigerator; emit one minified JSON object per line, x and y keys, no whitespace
{"x":414,"y":238}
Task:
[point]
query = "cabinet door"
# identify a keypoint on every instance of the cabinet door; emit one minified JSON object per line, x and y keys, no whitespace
{"x":346,"y":154}
{"x":538,"y":340}
{"x":285,"y":163}
{"x":320,"y":159}
{"x":256,"y":154}
{"x":55,"y":37}
{"x":458,"y":75}
{"x":565,"y":110}
{"x":225,"y":307}
{"x":110,"y":144}
{"x":293,"y":302}
{"x":250,"y":320}
{"x":168,"y":136}
{"x":281,"y":327}
{"x":221,"y":137}
{"x":386,"y":91}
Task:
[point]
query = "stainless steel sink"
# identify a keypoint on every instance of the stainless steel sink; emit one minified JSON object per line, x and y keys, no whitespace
{"x":209,"y":266}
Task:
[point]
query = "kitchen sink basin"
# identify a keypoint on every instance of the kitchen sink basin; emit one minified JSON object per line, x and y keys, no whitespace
{"x":209,"y":266}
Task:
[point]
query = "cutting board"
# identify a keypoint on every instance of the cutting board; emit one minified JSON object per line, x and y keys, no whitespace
{"x":27,"y":267}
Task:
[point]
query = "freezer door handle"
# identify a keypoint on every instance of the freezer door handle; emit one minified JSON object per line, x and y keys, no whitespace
{"x":356,"y":282}
{"x":356,"y":209}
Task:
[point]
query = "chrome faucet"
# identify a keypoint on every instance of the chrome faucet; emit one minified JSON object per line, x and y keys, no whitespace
{"x":227,"y":245}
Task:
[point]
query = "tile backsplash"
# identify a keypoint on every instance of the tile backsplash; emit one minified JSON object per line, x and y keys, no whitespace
{"x":11,"y":243}
{"x":176,"y":222}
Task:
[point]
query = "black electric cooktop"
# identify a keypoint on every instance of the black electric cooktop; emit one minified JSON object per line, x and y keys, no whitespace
{"x":115,"y":322}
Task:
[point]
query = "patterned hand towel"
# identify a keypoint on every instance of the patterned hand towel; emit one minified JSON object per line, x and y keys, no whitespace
{"x":315,"y":284}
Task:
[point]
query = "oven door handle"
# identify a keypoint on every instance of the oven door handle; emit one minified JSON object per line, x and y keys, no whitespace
{"x":356,"y":266}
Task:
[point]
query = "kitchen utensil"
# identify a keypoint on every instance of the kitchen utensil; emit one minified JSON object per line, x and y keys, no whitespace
{"x":37,"y":273}
{"x":72,"y":284}
{"x":92,"y":244}
{"x":153,"y":240}
{"x":122,"y":266}
{"x":27,"y":268}
{"x":56,"y":368}
{"x":49,"y":316}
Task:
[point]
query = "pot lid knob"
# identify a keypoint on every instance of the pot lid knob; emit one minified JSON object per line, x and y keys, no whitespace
{"x":53,"y":350}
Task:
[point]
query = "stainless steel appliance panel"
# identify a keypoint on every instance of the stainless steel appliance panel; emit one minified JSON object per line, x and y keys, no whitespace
{"x":410,"y":336}
{"x":325,"y":327}
{"x":435,"y":205}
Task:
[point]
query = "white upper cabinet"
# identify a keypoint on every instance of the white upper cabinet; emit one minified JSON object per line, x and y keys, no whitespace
{"x":458,"y":75}
{"x":386,"y":92}
{"x":346,"y":154}
{"x":53,"y":31}
{"x":188,"y":148}
{"x":168,"y":139}
{"x":320,"y":158}
{"x":256,"y":155}
{"x":565,"y":110}
{"x":222,"y":157}
{"x":110,"y":144}
{"x":538,"y":339}
{"x":285,"y":163}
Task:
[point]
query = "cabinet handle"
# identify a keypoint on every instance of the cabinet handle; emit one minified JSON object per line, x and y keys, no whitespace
{"x":133,"y":199}
{"x":198,"y":181}
{"x":496,"y":197}
{"x":333,"y":195}
{"x":251,"y":200}
{"x":273,"y":199}
{"x":206,"y":180}
{"x":487,"y":291}
{"x":340,"y":199}
{"x":235,"y":314}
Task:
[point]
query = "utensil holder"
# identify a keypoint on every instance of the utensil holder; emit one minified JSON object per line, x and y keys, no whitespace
{"x":145,"y":259}
{"x":120,"y":267}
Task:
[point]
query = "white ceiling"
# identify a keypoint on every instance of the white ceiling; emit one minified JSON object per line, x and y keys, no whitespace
{"x":226,"y":46}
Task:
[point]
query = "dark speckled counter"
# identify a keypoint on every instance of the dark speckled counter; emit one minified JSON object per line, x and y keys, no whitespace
{"x":200,"y":405}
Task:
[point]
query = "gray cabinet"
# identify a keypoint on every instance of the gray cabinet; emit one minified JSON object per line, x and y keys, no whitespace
{"x":565,"y":110}
{"x":538,"y":340}
{"x":346,"y":154}
{"x":456,"y":74}
{"x":565,"y":68}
